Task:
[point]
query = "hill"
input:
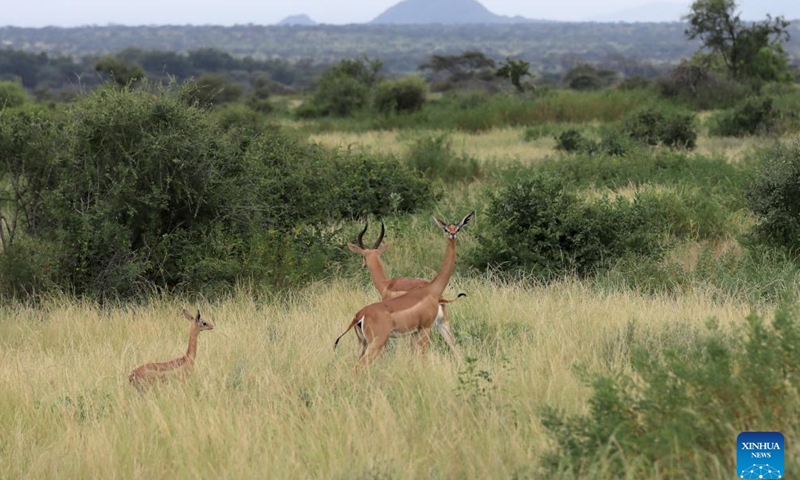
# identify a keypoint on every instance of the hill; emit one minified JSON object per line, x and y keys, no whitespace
{"x":303,"y":20}
{"x":446,"y":12}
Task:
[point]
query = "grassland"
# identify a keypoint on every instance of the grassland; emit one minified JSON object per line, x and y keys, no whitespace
{"x":499,"y":144}
{"x":271,"y":399}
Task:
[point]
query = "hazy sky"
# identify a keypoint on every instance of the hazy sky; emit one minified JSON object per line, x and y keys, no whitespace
{"x":38,"y":13}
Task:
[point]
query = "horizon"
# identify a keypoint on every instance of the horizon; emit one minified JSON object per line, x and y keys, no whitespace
{"x":83,"y":13}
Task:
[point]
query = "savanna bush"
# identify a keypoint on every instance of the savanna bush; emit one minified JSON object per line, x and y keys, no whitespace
{"x":237,"y":116}
{"x":755,"y":116}
{"x":212,"y":89}
{"x":774,"y":195}
{"x":701,"y":89}
{"x":11,"y":95}
{"x":433,"y":157}
{"x":653,"y":126}
{"x":133,"y":189}
{"x":541,"y":227}
{"x":716,"y":176}
{"x":402,"y":95}
{"x":678,"y":412}
{"x":343,"y":89}
{"x":573,"y":141}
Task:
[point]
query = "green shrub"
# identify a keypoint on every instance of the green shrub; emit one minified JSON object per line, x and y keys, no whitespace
{"x":774,"y":195}
{"x":134,"y":190}
{"x":617,"y":144}
{"x":538,"y":226}
{"x":573,"y":140}
{"x":213,"y":89}
{"x":679,"y":131}
{"x":589,"y":77}
{"x":402,"y":95}
{"x":380,"y":186}
{"x":11,"y":95}
{"x":677,"y":413}
{"x":652,"y":126}
{"x":753,"y":117}
{"x":713,"y":175}
{"x":645,"y":126}
{"x":701,"y":89}
{"x":28,"y":268}
{"x":242,"y":117}
{"x":433,"y":157}
{"x":343,"y":89}
{"x":258,"y":99}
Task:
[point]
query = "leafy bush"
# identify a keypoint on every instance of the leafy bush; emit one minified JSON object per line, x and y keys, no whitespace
{"x":258,"y":99}
{"x":538,"y":226}
{"x":617,"y":144}
{"x":589,"y":77}
{"x":679,"y":131}
{"x":213,"y":89}
{"x":754,"y":116}
{"x":11,"y":95}
{"x":653,"y":126}
{"x":134,"y":190}
{"x":701,"y":89}
{"x":573,"y":140}
{"x":433,"y":157}
{"x":774,"y":195}
{"x":714,"y":175}
{"x":677,"y":413}
{"x":343,"y":89}
{"x":239,"y":116}
{"x":402,"y":95}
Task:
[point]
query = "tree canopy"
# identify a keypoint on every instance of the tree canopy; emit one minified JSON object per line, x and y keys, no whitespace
{"x":749,"y":50}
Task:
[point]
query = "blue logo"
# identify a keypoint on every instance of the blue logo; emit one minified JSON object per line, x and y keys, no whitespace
{"x":759,"y":455}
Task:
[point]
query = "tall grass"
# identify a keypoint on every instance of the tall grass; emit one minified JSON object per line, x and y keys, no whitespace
{"x":479,"y":112}
{"x":270,"y":398}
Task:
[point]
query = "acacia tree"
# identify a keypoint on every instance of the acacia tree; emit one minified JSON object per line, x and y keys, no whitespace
{"x":459,"y":67}
{"x":752,"y":51}
{"x":514,"y":70}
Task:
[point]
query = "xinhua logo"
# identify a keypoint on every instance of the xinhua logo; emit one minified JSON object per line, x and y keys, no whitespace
{"x":759,"y":455}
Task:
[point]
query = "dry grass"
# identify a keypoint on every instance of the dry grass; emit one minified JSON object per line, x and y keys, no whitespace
{"x":505,"y":144}
{"x":731,"y":148}
{"x":493,"y":145}
{"x":271,"y":399}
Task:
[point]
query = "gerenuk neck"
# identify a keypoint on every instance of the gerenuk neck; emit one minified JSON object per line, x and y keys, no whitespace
{"x":192,"y":351}
{"x":439,"y":283}
{"x":377,"y":273}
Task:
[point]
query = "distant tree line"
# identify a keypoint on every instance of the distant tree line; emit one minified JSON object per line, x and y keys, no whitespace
{"x":42,"y":73}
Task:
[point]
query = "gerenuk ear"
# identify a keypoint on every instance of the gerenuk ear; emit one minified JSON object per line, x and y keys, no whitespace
{"x":466,"y":220}
{"x":188,"y":315}
{"x":355,"y":249}
{"x":441,"y":224}
{"x":198,"y":316}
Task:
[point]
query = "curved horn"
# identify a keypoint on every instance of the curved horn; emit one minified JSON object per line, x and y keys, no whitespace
{"x":380,"y":237}
{"x":361,"y":235}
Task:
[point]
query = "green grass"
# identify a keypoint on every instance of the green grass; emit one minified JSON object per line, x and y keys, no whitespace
{"x":479,"y":112}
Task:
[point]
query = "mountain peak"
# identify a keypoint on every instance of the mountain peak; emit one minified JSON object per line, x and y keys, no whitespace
{"x":446,"y":12}
{"x":304,"y":20}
